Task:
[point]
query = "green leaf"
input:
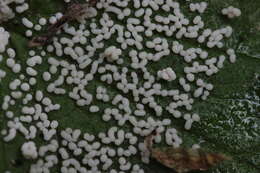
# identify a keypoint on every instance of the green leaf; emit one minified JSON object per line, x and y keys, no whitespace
{"x":230,"y":118}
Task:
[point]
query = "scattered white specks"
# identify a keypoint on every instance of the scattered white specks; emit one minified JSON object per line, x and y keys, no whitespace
{"x":81,"y":66}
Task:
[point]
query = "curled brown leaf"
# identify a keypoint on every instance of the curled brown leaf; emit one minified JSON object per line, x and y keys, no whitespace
{"x":183,"y":160}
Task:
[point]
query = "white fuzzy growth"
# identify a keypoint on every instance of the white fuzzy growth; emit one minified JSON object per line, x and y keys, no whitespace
{"x":94,"y":108}
{"x":232,"y":55}
{"x":6,"y":12}
{"x":198,"y":92}
{"x":42,"y":21}
{"x":34,"y":61}
{"x":2,"y":74}
{"x":22,"y":8}
{"x":190,"y":77}
{"x":112,"y":53}
{"x":25,"y":87}
{"x":11,"y":135}
{"x":172,"y":138}
{"x":232,"y":58}
{"x":200,"y":7}
{"x":188,"y":124}
{"x":4,"y":37}
{"x":39,"y":95}
{"x":46,"y":76}
{"x":231,"y":12}
{"x":142,"y":84}
{"x":11,"y":53}
{"x":31,"y":72}
{"x":26,"y":22}
{"x":29,"y":150}
{"x":167,"y":74}
{"x":17,"y":68}
{"x":195,"y":117}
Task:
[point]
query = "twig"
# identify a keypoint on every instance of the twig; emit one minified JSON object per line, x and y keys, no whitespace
{"x":74,"y":11}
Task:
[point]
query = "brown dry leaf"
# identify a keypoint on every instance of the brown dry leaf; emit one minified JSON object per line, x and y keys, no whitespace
{"x":184,"y":160}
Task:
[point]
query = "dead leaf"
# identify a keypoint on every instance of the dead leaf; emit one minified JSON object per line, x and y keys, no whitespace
{"x":184,"y":160}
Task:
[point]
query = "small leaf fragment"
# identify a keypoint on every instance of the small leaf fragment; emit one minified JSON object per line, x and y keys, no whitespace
{"x":184,"y":160}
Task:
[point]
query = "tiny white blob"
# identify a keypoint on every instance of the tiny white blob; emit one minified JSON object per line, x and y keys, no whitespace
{"x":29,"y":150}
{"x":231,"y":12}
{"x":167,"y":74}
{"x":26,"y":22}
{"x":112,"y":53}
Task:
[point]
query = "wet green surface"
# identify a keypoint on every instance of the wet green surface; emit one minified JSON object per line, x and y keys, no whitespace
{"x":230,"y":117}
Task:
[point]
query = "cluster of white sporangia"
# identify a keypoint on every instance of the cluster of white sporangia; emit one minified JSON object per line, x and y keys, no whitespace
{"x":7,"y":13}
{"x":112,"y":53}
{"x":29,"y":150}
{"x":231,"y":12}
{"x":167,"y":74}
{"x":4,"y":35}
{"x":87,"y":54}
